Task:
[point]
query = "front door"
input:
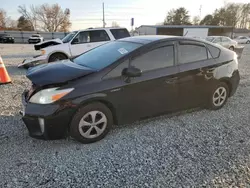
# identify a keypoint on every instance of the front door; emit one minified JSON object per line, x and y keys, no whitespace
{"x":87,"y":40}
{"x":155,"y":91}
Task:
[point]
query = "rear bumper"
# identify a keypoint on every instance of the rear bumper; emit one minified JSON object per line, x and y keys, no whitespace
{"x":47,"y":122}
{"x":235,"y":80}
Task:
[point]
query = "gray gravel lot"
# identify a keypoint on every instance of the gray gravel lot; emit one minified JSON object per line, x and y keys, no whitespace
{"x":195,"y":149}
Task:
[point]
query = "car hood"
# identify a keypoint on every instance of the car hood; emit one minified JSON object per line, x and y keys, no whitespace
{"x":47,"y":43}
{"x":57,"y":72}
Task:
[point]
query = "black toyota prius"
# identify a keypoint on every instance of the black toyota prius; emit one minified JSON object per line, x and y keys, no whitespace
{"x":124,"y":81}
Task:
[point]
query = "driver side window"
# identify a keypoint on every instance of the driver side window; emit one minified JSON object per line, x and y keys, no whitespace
{"x":82,"y":37}
{"x":117,"y":71}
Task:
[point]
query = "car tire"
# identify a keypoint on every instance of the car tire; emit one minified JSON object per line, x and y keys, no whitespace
{"x":248,"y":42}
{"x":82,"y":127}
{"x":218,"y":96}
{"x":231,"y":48}
{"x":57,"y":57}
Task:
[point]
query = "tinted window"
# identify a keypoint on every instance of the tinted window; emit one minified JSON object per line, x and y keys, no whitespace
{"x":117,"y":71}
{"x":98,"y":35}
{"x":91,"y":36}
{"x":120,"y":33}
{"x":104,"y":55}
{"x":215,"y":52}
{"x":191,"y":53}
{"x":155,"y":59}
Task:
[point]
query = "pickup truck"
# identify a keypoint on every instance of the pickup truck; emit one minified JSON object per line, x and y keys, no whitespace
{"x":73,"y":44}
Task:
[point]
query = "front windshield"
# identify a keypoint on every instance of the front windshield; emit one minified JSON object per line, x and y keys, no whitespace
{"x":210,"y":39}
{"x":102,"y":56}
{"x":69,"y":37}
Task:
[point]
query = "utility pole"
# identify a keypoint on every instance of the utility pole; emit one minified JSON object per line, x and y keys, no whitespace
{"x":103,"y":15}
{"x":200,"y":11}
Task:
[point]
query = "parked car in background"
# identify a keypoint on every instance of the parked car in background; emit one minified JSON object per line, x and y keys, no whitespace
{"x":126,"y":80}
{"x":242,"y":39}
{"x":5,"y":38}
{"x":223,"y":41}
{"x":74,"y":44}
{"x":35,"y":38}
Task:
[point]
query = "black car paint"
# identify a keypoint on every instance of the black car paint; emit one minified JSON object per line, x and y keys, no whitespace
{"x":6,"y":39}
{"x":65,"y":71}
{"x":155,"y":92}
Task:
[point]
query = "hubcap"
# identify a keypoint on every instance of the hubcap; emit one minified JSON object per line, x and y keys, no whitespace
{"x":93,"y":124}
{"x":219,"y":96}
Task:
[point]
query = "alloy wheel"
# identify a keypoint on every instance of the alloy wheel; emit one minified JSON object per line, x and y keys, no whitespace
{"x":219,"y":96}
{"x":92,"y":124}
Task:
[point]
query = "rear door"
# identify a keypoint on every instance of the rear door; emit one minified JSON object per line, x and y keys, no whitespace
{"x":86,"y":40}
{"x":193,"y":79}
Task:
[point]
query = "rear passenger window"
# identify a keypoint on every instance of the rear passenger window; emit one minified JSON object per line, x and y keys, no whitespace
{"x":155,"y":59}
{"x":191,"y":52}
{"x":120,"y":33}
{"x":215,"y":52}
{"x":98,"y":36}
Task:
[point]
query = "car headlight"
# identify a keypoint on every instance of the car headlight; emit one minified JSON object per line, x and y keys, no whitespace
{"x":47,"y":96}
{"x":43,"y":52}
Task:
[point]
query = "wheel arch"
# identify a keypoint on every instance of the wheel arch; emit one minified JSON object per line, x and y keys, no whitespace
{"x":229,"y":84}
{"x":103,"y":101}
{"x":57,"y":52}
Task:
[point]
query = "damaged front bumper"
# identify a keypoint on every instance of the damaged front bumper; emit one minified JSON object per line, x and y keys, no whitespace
{"x":30,"y":62}
{"x":47,"y":122}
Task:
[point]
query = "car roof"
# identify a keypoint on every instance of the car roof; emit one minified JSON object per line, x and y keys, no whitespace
{"x":99,"y":28}
{"x":145,"y":39}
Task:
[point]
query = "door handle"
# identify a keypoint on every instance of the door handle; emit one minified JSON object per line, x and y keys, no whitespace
{"x":171,"y":80}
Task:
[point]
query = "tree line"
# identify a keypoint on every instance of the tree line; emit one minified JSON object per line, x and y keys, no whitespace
{"x":45,"y":17}
{"x":53,"y":18}
{"x":231,"y":14}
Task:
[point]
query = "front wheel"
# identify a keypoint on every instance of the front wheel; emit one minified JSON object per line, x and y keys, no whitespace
{"x":218,"y":96}
{"x":91,"y":123}
{"x":248,"y":42}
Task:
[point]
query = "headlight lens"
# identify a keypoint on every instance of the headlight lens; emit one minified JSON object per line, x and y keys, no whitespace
{"x":43,"y":52}
{"x":47,"y":96}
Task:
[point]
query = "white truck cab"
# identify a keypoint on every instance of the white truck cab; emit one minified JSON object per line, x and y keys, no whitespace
{"x":74,"y":44}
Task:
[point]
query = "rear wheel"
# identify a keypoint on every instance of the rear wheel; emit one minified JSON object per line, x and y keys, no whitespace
{"x":218,"y":97}
{"x":248,"y":42}
{"x":91,"y":123}
{"x":57,"y":57}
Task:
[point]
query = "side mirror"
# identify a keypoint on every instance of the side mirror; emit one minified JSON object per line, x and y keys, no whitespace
{"x":131,"y":72}
{"x":75,"y":41}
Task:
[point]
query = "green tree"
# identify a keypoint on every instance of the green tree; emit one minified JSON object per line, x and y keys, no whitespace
{"x":207,"y":20}
{"x":24,"y":24}
{"x":178,"y":16}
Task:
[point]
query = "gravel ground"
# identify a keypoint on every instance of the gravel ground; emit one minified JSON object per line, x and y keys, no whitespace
{"x":196,"y":149}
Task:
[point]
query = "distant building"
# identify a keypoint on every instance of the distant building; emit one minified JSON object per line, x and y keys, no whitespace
{"x":198,"y":31}
{"x":241,"y":32}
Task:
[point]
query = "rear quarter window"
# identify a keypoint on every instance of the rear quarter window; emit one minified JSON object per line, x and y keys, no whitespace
{"x":214,"y":51}
{"x":120,"y":33}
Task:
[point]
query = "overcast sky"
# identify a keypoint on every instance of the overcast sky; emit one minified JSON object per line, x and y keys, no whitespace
{"x":88,"y":13}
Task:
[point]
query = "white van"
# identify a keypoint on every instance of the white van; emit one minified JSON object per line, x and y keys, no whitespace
{"x":74,"y":44}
